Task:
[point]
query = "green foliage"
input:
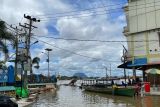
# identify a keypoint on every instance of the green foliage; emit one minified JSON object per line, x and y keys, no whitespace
{"x":37,"y":66}
{"x":2,"y":65}
{"x":36,"y":61}
{"x":4,"y":47}
{"x":5,"y":35}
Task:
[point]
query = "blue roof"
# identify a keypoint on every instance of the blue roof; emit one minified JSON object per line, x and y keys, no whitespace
{"x":7,"y":88}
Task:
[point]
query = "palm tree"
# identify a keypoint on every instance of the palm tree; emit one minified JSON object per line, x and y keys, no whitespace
{"x":36,"y":61}
{"x":5,"y":36}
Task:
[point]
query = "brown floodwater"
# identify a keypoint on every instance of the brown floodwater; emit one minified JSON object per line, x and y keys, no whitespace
{"x":68,"y":96}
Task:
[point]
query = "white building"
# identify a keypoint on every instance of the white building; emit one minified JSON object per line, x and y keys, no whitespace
{"x":143,"y":33}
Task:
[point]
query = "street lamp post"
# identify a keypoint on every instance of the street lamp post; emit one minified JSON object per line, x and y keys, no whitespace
{"x":47,"y":49}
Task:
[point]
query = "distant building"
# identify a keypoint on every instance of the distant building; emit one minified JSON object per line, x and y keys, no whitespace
{"x":143,"y":35}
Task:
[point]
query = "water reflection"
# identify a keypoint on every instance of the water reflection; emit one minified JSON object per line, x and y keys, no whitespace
{"x":108,"y":100}
{"x":147,"y":101}
{"x":45,"y":100}
{"x":68,"y":96}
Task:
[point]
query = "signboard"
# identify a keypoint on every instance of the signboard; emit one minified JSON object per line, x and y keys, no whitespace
{"x":26,"y":66}
{"x":22,"y":51}
{"x":28,"y":73}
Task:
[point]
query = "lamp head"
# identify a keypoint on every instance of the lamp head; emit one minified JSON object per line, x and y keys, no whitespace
{"x":47,"y":49}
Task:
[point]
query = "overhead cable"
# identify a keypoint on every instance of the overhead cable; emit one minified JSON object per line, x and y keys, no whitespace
{"x":72,"y":51}
{"x":92,"y":40}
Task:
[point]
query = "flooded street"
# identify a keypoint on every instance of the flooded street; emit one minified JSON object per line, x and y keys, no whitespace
{"x":67,"y":96}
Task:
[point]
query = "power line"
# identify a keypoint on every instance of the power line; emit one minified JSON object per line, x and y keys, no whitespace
{"x":114,"y":41}
{"x":91,"y":40}
{"x":81,"y":15}
{"x":80,"y":10}
{"x":74,"y":16}
{"x":104,"y":6}
{"x":72,"y":51}
{"x":99,"y":13}
{"x":9,"y":27}
{"x":140,"y":46}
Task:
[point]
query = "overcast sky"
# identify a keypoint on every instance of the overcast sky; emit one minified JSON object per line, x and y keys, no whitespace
{"x":101,"y":20}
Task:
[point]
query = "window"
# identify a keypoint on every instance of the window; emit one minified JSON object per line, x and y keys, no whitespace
{"x":133,"y":0}
{"x":159,"y":38}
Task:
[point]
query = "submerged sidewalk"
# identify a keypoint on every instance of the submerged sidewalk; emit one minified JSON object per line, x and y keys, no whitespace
{"x":155,"y":91}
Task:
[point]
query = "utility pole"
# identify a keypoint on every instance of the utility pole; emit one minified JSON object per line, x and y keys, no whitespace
{"x":47,"y":49}
{"x":124,"y":61}
{"x":29,"y":27}
{"x":16,"y":45}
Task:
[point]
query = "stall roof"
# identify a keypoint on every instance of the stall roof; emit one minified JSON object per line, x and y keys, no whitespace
{"x":129,"y":65}
{"x":7,"y":88}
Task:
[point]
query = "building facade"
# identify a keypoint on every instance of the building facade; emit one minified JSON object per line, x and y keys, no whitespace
{"x":143,"y":34}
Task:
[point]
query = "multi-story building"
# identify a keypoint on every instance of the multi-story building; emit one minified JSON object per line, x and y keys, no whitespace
{"x":143,"y":34}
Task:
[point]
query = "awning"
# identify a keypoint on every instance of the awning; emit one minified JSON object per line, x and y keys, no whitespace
{"x":7,"y":88}
{"x":124,"y":65}
{"x":153,"y":71}
{"x":137,"y":63}
{"x":129,"y":67}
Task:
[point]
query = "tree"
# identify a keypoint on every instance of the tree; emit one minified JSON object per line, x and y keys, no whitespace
{"x":1,"y":64}
{"x":5,"y":36}
{"x":35,"y":61}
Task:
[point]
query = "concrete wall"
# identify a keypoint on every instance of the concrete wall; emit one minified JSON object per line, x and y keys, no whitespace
{"x":143,"y":25}
{"x":143,"y":15}
{"x":148,"y":48}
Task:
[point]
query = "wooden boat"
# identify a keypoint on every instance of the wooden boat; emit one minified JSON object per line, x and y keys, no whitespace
{"x":108,"y":87}
{"x":93,"y":88}
{"x":122,"y":91}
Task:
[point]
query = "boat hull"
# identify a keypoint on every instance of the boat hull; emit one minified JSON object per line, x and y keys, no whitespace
{"x":109,"y":90}
{"x":99,"y":90}
{"x":124,"y":91}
